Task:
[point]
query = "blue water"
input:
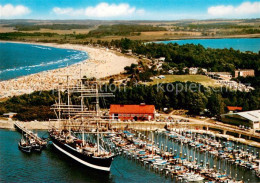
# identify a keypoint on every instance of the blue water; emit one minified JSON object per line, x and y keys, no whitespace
{"x":24,"y":59}
{"x":242,"y":44}
{"x":52,"y":166}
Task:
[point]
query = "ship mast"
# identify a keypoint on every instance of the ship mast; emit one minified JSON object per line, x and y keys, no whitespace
{"x":84,"y":118}
{"x":97,"y":114}
{"x":81,"y":105}
{"x":59,"y":108}
{"x":68,"y":91}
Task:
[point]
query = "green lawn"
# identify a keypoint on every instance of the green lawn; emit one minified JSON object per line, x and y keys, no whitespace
{"x":204,"y":80}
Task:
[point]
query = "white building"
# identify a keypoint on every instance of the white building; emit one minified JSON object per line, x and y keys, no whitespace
{"x":193,"y":70}
{"x":247,"y":118}
{"x":162,"y":59}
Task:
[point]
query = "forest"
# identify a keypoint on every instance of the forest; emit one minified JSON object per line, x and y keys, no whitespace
{"x":122,"y":30}
{"x":191,"y":55}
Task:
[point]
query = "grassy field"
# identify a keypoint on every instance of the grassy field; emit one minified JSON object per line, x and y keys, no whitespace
{"x":204,"y":80}
{"x":189,"y":29}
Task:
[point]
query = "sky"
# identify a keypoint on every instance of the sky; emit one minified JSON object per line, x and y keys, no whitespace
{"x":128,"y":9}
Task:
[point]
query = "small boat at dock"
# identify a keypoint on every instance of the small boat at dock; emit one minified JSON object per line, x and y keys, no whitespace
{"x":24,"y":146}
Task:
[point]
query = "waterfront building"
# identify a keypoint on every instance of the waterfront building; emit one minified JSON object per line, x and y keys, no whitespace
{"x":247,"y":118}
{"x":132,"y":112}
{"x":244,"y":72}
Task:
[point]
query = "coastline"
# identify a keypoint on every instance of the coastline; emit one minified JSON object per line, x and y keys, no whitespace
{"x":101,"y":63}
{"x":44,"y":125}
{"x":243,"y":36}
{"x":32,"y":125}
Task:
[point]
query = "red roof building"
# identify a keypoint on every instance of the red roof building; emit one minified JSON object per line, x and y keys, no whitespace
{"x":132,"y":112}
{"x":234,"y":108}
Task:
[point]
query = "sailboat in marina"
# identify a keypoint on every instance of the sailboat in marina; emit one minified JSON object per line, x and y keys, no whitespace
{"x":81,"y":119}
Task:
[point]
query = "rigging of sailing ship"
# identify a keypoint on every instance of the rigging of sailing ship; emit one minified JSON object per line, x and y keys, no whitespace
{"x":81,"y":119}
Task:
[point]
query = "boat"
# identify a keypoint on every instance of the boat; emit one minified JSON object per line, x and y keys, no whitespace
{"x":77,"y":118}
{"x":37,"y":147}
{"x":24,"y":146}
{"x":84,"y":153}
{"x":191,"y":177}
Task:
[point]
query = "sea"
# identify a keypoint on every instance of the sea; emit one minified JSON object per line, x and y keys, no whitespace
{"x":242,"y":44}
{"x":17,"y":59}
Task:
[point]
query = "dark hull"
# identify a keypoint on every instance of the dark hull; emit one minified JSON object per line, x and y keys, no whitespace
{"x":37,"y":148}
{"x":102,"y":164}
{"x":26,"y":149}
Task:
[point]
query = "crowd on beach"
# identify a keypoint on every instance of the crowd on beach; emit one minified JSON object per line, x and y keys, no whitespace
{"x":101,"y":63}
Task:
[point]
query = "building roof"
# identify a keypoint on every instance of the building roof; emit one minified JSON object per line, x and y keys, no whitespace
{"x":132,"y":109}
{"x":250,"y":115}
{"x":223,"y":73}
{"x":9,"y":114}
{"x":234,"y":108}
{"x":245,"y":70}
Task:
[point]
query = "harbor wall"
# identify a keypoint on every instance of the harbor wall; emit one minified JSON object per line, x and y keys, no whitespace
{"x":6,"y":124}
{"x":33,"y":125}
{"x":150,"y":126}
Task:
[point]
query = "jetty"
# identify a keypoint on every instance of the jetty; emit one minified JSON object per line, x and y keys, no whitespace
{"x":32,"y":135}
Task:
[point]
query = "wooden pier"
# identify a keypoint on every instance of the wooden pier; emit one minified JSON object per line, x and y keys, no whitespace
{"x":23,"y":130}
{"x":220,"y":130}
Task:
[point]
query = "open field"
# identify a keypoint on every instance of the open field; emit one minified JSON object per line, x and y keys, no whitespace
{"x":204,"y":80}
{"x":185,"y":29}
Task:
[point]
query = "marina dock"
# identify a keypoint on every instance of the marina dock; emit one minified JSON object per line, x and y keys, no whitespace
{"x":32,"y":135}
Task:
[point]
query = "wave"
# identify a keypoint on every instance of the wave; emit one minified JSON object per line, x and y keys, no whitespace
{"x":69,"y":51}
{"x":74,"y":58}
{"x":40,"y":47}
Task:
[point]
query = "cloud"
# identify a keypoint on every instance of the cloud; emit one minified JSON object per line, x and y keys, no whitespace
{"x":109,"y":10}
{"x":9,"y":10}
{"x":68,"y":11}
{"x":102,"y":10}
{"x":244,"y":9}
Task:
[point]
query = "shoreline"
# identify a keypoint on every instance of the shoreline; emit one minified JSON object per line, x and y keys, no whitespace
{"x":100,"y":63}
{"x":39,"y":44}
{"x":246,"y":36}
{"x":196,"y":38}
{"x":43,"y":125}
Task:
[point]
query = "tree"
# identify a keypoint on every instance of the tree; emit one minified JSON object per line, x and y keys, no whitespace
{"x":216,"y":104}
{"x":198,"y":103}
{"x":111,"y":80}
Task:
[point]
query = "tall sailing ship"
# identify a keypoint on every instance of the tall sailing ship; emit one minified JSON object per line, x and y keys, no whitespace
{"x":80,"y":120}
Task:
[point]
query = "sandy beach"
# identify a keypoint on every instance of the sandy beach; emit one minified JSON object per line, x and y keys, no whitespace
{"x":102,"y":62}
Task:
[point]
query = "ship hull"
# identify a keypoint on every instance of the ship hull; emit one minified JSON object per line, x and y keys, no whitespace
{"x":102,"y":164}
{"x":26,"y":149}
